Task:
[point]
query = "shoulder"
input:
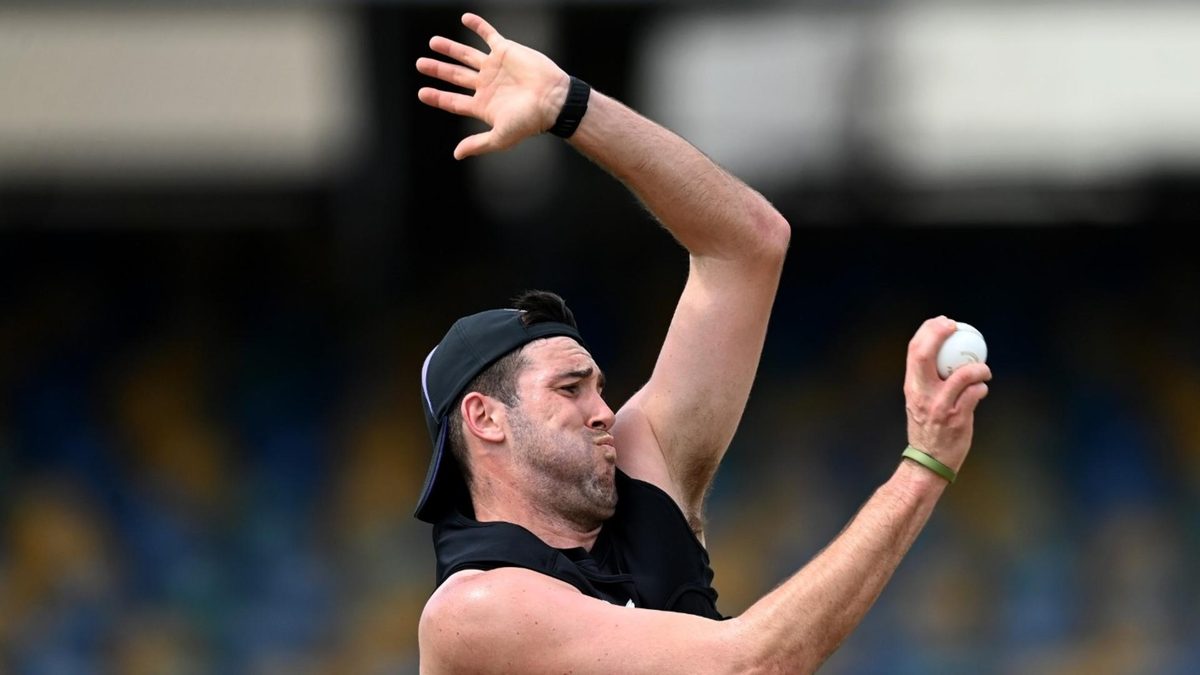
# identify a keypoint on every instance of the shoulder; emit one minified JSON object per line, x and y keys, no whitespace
{"x":639,"y":454}
{"x":474,"y":614}
{"x":482,"y":595}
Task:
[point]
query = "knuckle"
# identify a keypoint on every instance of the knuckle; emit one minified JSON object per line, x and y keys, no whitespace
{"x":919,"y":410}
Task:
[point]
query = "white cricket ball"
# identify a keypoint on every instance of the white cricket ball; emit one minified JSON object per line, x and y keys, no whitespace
{"x":965,"y":346}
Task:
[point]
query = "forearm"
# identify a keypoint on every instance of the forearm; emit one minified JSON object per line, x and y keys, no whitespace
{"x":799,"y":624}
{"x":710,"y":212}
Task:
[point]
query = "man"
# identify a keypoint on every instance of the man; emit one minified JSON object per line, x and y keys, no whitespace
{"x":570,"y":538}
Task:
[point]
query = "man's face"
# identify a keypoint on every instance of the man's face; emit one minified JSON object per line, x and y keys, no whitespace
{"x":560,"y":431}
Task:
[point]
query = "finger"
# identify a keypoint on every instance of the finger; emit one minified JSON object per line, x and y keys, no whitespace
{"x":468,"y":56}
{"x":923,"y":349}
{"x":476,"y":144}
{"x":448,"y":72}
{"x":961,"y":380}
{"x":484,"y":29}
{"x":459,"y":104}
{"x":971,"y":396}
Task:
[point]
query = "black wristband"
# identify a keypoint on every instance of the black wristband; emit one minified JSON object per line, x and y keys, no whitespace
{"x":573,"y":110}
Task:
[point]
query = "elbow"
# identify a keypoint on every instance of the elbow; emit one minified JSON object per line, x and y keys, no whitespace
{"x":775,"y":234}
{"x":757,"y":654}
{"x":779,"y":665}
{"x":748,"y":649}
{"x":741,"y":649}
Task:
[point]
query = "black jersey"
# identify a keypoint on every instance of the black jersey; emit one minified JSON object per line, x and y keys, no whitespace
{"x":645,"y":555}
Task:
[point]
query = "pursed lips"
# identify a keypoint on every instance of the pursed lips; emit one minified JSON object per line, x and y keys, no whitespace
{"x":608,"y":440}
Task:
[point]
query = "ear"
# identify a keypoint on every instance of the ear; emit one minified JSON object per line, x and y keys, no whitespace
{"x":483,"y":417}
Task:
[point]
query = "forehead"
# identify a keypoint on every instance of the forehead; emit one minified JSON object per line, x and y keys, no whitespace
{"x":549,"y":356}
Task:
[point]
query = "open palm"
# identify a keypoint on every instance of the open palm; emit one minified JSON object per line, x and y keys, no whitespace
{"x":517,"y":91}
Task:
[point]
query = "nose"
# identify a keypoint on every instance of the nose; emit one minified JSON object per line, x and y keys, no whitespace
{"x":602,"y":417}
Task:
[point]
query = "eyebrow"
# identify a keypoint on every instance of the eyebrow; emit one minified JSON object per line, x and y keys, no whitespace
{"x":583,"y":375}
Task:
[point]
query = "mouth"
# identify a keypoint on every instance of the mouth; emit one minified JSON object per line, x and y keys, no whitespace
{"x":608,"y":443}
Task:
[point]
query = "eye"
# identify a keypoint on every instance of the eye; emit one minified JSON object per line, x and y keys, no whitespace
{"x":570,"y":388}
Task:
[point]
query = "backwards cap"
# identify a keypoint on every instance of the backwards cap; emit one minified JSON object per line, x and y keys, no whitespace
{"x":471,"y":345}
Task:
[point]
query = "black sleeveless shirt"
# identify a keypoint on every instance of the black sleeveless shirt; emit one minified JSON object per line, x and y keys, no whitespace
{"x":646,"y":554}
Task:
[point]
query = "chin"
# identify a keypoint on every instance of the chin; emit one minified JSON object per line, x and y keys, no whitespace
{"x":606,"y":511}
{"x":605,"y":499}
{"x":611,"y":507}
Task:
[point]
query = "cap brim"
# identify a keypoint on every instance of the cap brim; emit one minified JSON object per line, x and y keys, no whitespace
{"x":439,"y":489}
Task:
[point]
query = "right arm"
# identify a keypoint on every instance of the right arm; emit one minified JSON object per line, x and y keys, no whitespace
{"x":511,"y":619}
{"x":515,"y":620}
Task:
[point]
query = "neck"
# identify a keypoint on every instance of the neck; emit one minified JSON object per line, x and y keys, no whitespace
{"x":499,"y":501}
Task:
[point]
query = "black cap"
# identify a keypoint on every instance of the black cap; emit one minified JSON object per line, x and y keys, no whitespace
{"x":471,"y":345}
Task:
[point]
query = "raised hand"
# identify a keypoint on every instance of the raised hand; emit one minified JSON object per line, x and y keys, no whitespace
{"x":518,"y":91}
{"x":941,"y":413}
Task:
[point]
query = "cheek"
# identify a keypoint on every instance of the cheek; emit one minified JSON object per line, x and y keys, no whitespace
{"x":550,"y":410}
{"x":544,"y":411}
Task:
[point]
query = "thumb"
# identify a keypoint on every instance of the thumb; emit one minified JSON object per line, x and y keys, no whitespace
{"x":476,"y":144}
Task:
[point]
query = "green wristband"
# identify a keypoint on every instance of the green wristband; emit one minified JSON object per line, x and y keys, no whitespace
{"x":929,"y":462}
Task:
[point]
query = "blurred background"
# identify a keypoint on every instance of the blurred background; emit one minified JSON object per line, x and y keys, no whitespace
{"x":229,"y":234}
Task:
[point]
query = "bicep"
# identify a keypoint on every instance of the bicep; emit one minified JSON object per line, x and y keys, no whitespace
{"x":515,"y":620}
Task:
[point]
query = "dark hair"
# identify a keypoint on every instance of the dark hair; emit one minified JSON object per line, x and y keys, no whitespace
{"x":499,"y":380}
{"x":542,"y":306}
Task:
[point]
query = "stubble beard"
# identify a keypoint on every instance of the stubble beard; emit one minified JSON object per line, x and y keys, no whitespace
{"x":562,"y":473}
